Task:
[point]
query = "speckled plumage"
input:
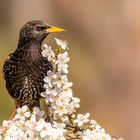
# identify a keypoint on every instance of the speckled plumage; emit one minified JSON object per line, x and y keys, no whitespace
{"x":25,"y":68}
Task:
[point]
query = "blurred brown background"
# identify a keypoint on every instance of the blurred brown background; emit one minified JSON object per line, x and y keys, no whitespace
{"x":104,"y":39}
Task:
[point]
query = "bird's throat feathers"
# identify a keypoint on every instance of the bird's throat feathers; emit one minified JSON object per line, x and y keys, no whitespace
{"x":30,"y":53}
{"x":34,"y":53}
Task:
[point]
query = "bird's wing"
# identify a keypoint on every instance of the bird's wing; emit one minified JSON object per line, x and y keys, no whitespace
{"x":9,"y":70}
{"x":48,"y":65}
{"x":6,"y":66}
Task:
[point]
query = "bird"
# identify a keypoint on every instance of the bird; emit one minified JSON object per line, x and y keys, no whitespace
{"x":25,"y":68}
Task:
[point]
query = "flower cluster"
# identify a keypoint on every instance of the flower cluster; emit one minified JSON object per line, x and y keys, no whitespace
{"x":61,"y":108}
{"x":58,"y":92}
{"x":31,"y":126}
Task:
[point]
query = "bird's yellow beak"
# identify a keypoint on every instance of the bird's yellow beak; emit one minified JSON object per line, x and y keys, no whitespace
{"x":53,"y":29}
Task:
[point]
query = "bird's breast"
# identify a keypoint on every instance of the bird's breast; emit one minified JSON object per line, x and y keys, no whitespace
{"x":29,"y":82}
{"x":29,"y":71}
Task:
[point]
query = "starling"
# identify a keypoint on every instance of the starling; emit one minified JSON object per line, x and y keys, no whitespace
{"x":25,"y":68}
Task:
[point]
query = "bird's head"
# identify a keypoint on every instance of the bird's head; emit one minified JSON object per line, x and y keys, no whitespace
{"x":36,"y":31}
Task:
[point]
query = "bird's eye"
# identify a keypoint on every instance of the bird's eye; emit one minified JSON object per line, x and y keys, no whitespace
{"x":43,"y":27}
{"x":39,"y":27}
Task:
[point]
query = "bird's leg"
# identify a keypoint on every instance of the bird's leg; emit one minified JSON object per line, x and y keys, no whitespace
{"x":13,"y":113}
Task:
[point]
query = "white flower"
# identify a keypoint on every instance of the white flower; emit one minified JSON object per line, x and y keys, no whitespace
{"x":94,"y":135}
{"x":61,"y":80}
{"x":47,"y":52}
{"x":63,"y":67}
{"x":68,"y":91}
{"x":93,"y":123}
{"x":49,"y":78}
{"x":81,"y":119}
{"x":42,"y":127}
{"x":63,"y":44}
{"x":88,"y":135}
{"x":29,"y":134}
{"x":13,"y":132}
{"x":47,"y":131}
{"x":27,"y":114}
{"x":22,"y":113}
{"x":62,"y":61}
{"x":24,"y":108}
{"x":5,"y":123}
{"x":76,"y":102}
{"x":63,"y":100}
{"x":37,"y":112}
{"x":67,"y":85}
{"x":63,"y":58}
{"x":50,"y":91}
{"x":29,"y":124}
{"x":33,"y":118}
